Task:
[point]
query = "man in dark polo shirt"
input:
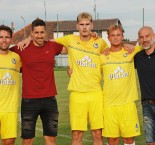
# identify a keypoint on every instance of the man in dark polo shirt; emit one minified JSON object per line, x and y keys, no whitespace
{"x":145,"y":65}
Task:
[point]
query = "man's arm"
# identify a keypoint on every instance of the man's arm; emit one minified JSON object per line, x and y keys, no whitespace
{"x":23,"y":44}
{"x":64,"y":49}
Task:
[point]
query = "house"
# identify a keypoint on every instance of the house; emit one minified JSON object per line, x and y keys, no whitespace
{"x":57,"y":29}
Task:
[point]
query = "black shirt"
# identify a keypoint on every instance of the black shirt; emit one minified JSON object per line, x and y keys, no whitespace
{"x":145,"y":65}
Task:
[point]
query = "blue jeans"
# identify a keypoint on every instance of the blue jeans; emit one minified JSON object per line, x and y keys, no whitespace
{"x":149,"y":122}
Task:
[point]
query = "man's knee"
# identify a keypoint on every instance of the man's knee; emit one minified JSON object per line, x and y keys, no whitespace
{"x":28,"y":141}
{"x":50,"y":140}
{"x":129,"y":141}
{"x":97,"y":134}
{"x":113,"y":141}
{"x":10,"y":141}
{"x":77,"y":135}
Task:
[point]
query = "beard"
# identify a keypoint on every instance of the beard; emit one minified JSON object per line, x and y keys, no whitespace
{"x":150,"y":44}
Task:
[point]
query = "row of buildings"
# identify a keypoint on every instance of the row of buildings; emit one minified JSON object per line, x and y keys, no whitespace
{"x":57,"y":29}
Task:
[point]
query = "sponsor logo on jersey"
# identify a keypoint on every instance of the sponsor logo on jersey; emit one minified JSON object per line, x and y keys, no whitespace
{"x":95,"y":45}
{"x":137,"y":128}
{"x":7,"y":80}
{"x":125,"y":55}
{"x":118,"y":73}
{"x":13,"y":60}
{"x":86,"y":62}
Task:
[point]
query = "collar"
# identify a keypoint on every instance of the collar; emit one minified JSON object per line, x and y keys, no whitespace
{"x":153,"y":53}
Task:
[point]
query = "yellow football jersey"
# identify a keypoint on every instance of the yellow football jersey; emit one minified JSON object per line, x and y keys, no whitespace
{"x":9,"y":82}
{"x":84,"y":60}
{"x":119,"y":78}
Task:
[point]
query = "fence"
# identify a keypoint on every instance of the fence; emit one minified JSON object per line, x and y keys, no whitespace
{"x":61,"y":60}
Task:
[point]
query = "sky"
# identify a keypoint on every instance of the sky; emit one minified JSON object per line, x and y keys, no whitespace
{"x":133,"y":14}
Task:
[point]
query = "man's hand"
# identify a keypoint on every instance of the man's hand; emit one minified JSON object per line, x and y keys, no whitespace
{"x":23,"y":44}
{"x":129,"y":47}
{"x":106,"y":51}
{"x":69,"y":71}
{"x":94,"y":35}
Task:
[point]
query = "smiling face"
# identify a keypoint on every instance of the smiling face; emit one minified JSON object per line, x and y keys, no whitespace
{"x":5,"y":41}
{"x":38,"y":35}
{"x":146,"y":37}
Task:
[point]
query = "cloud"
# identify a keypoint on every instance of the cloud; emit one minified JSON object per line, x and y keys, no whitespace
{"x":129,"y":12}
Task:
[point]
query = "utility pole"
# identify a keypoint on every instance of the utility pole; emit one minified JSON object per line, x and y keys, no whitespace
{"x":45,"y":9}
{"x":57,"y":25}
{"x":95,"y":9}
{"x":143,"y":16}
{"x":24,"y":24}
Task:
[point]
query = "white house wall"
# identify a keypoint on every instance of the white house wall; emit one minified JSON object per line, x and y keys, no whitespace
{"x":105,"y":37}
{"x":59,"y":34}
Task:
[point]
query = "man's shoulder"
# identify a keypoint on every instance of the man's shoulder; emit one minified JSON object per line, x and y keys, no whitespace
{"x":13,"y":53}
{"x":102,"y":42}
{"x":67,"y":36}
{"x":52,"y":43}
{"x":138,"y":54}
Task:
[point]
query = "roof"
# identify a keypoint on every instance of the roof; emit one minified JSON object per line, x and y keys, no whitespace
{"x":63,"y":26}
{"x":103,"y":24}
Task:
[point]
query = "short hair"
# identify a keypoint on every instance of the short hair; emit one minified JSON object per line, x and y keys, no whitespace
{"x":114,"y":27}
{"x":38,"y":22}
{"x":6,"y":28}
{"x":84,"y":15}
{"x":146,"y":27}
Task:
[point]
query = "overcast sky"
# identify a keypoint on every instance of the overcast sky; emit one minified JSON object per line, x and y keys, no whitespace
{"x":130,"y":12}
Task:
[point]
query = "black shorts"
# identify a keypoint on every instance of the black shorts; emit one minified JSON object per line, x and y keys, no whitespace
{"x":47,"y":109}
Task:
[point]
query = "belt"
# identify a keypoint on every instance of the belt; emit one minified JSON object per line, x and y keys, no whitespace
{"x":148,"y":102}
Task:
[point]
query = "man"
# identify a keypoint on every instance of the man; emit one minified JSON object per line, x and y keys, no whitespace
{"x":84,"y":52}
{"x":39,"y":90}
{"x":9,"y":87}
{"x":86,"y":100}
{"x":145,"y":65}
{"x":119,"y":91}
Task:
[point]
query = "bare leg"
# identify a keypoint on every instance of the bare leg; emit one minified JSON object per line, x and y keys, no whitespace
{"x":77,"y":137}
{"x":113,"y":141}
{"x":153,"y":143}
{"x":50,"y":140}
{"x":129,"y":140}
{"x":28,"y":141}
{"x":9,"y":141}
{"x":97,"y":137}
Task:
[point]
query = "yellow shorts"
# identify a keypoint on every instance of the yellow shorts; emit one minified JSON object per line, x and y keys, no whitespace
{"x":84,"y":107}
{"x":8,"y":125}
{"x":121,"y":120}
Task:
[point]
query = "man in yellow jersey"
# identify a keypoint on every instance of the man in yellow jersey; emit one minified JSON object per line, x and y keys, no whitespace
{"x":119,"y":91}
{"x":9,"y":88}
{"x":86,"y":99}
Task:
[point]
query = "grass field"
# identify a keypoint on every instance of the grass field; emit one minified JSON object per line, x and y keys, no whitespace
{"x":64,"y":133}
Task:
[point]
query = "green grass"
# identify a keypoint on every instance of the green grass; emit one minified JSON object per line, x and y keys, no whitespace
{"x":64,"y":132}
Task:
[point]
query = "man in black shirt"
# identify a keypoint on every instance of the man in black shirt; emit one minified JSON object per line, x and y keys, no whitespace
{"x":145,"y":65}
